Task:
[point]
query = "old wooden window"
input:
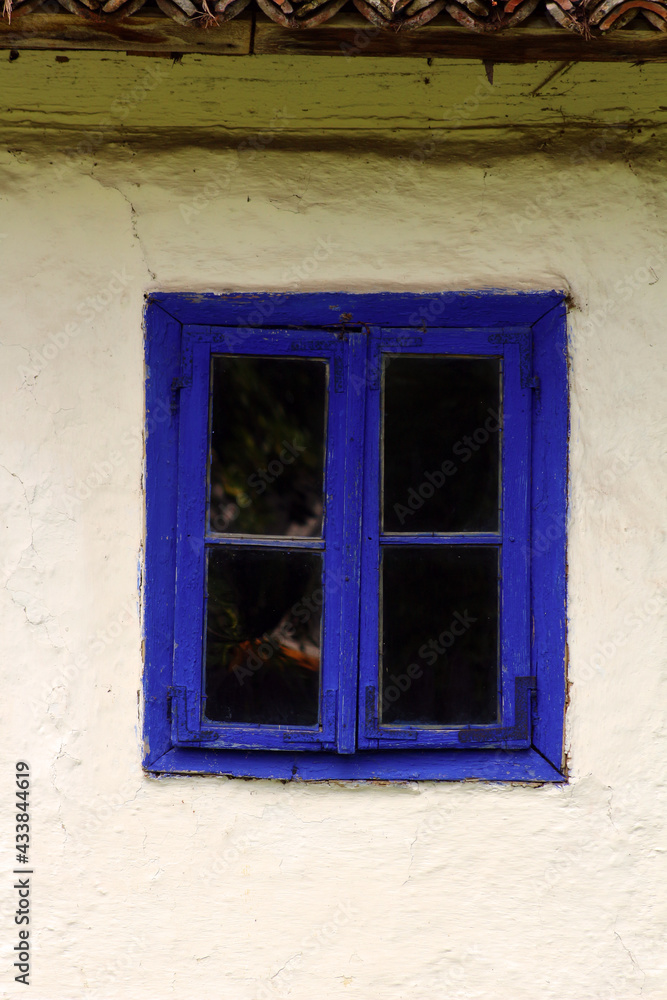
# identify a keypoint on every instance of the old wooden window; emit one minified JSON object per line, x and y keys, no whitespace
{"x":356,"y":535}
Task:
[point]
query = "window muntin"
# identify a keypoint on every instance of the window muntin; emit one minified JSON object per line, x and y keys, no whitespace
{"x":540,"y":403}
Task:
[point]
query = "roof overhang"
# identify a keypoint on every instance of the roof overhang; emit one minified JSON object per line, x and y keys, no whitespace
{"x":493,"y":30}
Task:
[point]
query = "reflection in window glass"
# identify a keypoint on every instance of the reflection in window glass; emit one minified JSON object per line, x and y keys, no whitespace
{"x":439,"y":663}
{"x":441,"y":444}
{"x":267,"y":445}
{"x":263,"y":636}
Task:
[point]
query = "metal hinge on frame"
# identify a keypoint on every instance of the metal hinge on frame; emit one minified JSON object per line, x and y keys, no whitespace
{"x":182,"y":381}
{"x":329,"y":724}
{"x":524,"y":690}
{"x":177,"y":712}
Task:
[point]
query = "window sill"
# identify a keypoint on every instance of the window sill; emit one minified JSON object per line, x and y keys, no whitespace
{"x":456,"y":765}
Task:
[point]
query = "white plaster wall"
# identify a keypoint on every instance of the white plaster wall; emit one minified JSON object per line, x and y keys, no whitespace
{"x":210,"y":888}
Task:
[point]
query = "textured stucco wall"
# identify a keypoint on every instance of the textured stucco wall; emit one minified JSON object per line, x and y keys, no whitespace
{"x":209,"y":888}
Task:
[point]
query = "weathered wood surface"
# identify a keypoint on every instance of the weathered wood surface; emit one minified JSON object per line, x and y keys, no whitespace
{"x":140,"y":33}
{"x":277,"y":95}
{"x":348,"y":35}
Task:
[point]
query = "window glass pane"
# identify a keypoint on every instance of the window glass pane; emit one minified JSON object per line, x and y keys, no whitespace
{"x":441,"y":444}
{"x":263,"y":636}
{"x":267,"y":445}
{"x":439,"y":663}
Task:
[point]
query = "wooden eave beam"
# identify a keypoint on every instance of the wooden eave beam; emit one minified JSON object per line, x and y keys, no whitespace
{"x":347,"y":35}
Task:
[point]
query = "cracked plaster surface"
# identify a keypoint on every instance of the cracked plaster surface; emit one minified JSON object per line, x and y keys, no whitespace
{"x":459,"y":890}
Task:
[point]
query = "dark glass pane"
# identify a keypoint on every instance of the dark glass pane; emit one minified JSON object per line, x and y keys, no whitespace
{"x":263,"y":636}
{"x":441,"y":444}
{"x":267,"y":445}
{"x":439,"y":635}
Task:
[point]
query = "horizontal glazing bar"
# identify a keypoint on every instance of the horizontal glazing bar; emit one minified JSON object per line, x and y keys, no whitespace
{"x":395,"y":729}
{"x":265,"y":541}
{"x":443,"y":538}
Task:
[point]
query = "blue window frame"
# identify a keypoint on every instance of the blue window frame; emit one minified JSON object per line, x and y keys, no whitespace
{"x":383,"y":567}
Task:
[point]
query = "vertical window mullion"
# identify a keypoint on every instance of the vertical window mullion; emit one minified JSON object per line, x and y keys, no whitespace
{"x":339,"y":621}
{"x":349,"y":445}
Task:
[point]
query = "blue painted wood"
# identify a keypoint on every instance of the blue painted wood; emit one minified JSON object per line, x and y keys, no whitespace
{"x":162,"y":347}
{"x":473,"y":341}
{"x":334,"y":718}
{"x":514,"y":566}
{"x":442,"y":538}
{"x":247,"y":311}
{"x":514,"y":595}
{"x":368,"y":697}
{"x":259,"y":541}
{"x":190,"y":549}
{"x":409,"y":765}
{"x":547,"y":553}
{"x":479,"y":322}
{"x":194,"y":542}
{"x":350,"y":534}
{"x":518,"y":734}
